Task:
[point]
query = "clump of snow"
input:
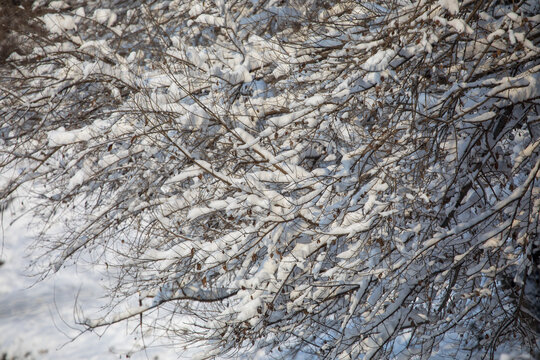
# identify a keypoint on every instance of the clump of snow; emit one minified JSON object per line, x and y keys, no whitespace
{"x":196,"y":10}
{"x":58,"y":5}
{"x":379,"y":61}
{"x":496,"y":34}
{"x":460,"y":26}
{"x":59,"y":23}
{"x":210,"y":20}
{"x":314,"y":100}
{"x":105,"y":16}
{"x":80,"y":12}
{"x":63,"y":137}
{"x":451,"y":5}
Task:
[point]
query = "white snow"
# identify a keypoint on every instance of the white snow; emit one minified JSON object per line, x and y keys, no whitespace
{"x":37,"y":318}
{"x":497,"y":33}
{"x":460,"y":26}
{"x":482,"y":117}
{"x":59,"y":23}
{"x":58,"y":5}
{"x":451,"y":5}
{"x":190,"y":172}
{"x":105,"y":16}
{"x":379,"y":61}
{"x":63,"y":137}
{"x":199,"y":211}
{"x":210,"y":20}
{"x":314,"y":100}
{"x":78,"y":179}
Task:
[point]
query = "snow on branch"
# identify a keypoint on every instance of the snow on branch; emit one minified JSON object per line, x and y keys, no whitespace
{"x":312,"y":179}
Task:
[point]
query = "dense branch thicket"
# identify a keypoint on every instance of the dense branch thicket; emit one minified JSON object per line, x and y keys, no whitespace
{"x":332,"y":179}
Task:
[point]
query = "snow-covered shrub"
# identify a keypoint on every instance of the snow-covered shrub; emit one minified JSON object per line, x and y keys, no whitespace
{"x":334,"y":179}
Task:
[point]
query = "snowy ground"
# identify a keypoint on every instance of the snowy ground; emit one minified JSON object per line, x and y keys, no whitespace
{"x":38,"y":318}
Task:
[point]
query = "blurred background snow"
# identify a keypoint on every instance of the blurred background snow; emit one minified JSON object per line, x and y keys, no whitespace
{"x":37,"y":318}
